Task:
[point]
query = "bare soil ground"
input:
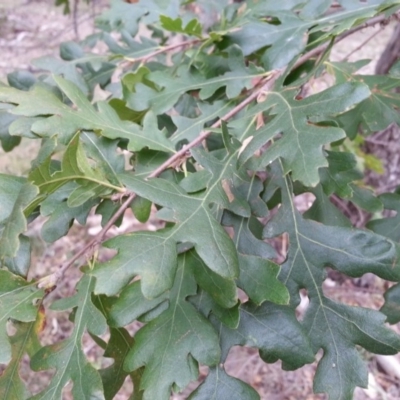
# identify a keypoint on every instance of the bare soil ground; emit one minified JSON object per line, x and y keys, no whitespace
{"x":30,"y":29}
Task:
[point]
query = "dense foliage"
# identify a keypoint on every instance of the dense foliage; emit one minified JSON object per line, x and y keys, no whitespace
{"x":212,"y":106}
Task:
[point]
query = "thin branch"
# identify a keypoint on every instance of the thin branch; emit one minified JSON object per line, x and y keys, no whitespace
{"x":369,"y":38}
{"x":75,"y":18}
{"x":267,"y":84}
{"x":51,"y":280}
{"x":166,"y":49}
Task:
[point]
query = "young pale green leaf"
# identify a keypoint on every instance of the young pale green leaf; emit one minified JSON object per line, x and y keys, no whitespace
{"x":67,"y":357}
{"x":17,"y":299}
{"x":302,"y":141}
{"x":24,"y":341}
{"x":104,"y":152}
{"x":171,"y":345}
{"x":75,"y":166}
{"x":336,"y":328}
{"x":221,"y":386}
{"x":192,"y":28}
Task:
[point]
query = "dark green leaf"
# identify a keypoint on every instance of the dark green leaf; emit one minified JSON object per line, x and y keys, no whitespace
{"x":120,"y":342}
{"x":17,"y":299}
{"x":61,"y":216}
{"x":389,"y":227}
{"x":190,"y":128}
{"x":12,"y":219}
{"x":301,"y":145}
{"x":19,"y":265}
{"x":391,"y":308}
{"x":24,"y":341}
{"x":377,"y":111}
{"x":336,"y":328}
{"x":67,"y":356}
{"x":258,"y":278}
{"x":220,"y":386}
{"x":274,"y":330}
{"x":342,"y":171}
{"x":131,"y":305}
{"x":192,"y":214}
{"x":113,"y":377}
{"x":222,"y":291}
{"x":324,"y":211}
{"x":22,"y":80}
{"x":171,"y":345}
{"x":67,"y":69}
{"x":365,"y":198}
{"x":141,"y":208}
{"x":8,"y":142}
{"x":152,"y":255}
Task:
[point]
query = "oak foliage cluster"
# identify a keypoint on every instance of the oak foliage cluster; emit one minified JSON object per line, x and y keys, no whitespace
{"x":201,"y":115}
